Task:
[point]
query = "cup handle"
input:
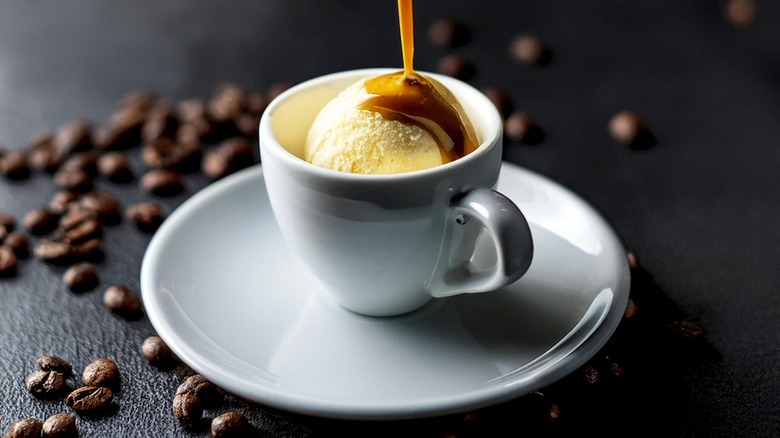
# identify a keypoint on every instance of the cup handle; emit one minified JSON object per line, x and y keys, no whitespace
{"x":508,"y":228}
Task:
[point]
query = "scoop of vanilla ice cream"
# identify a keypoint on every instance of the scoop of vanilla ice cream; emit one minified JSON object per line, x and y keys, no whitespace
{"x":349,"y":139}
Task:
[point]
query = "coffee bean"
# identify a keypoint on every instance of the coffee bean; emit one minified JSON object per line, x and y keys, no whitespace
{"x":448,"y":33}
{"x":165,"y":153}
{"x":61,"y":201}
{"x":123,"y":302}
{"x":554,"y":412}
{"x":500,"y":99}
{"x":191,"y":109}
{"x":157,"y":353}
{"x":45,"y":156}
{"x":116,"y":167}
{"x":139,"y":99}
{"x":631,"y":310}
{"x":7,"y":221}
{"x":247,"y":125}
{"x":53,"y":252}
{"x":81,"y":232}
{"x":45,"y":383}
{"x":74,"y":136}
{"x":529,"y":50}
{"x":107,"y":207}
{"x":40,"y":221}
{"x":49,"y":362}
{"x":81,"y":162}
{"x":14,"y":165}
{"x":81,"y":277}
{"x":24,"y":428}
{"x":90,"y":400}
{"x":633,"y":262}
{"x":159,"y":126}
{"x":147,"y":216}
{"x":200,"y":387}
{"x":18,"y":243}
{"x":227,"y":103}
{"x":60,"y":426}
{"x":616,"y":369}
{"x":630,"y":130}
{"x":230,"y":424}
{"x":8,"y":262}
{"x":228,"y":157}
{"x":193,"y":132}
{"x":188,"y":409}
{"x":520,"y":127}
{"x":256,"y":104}
{"x":74,"y":180}
{"x":685,"y":329}
{"x":75,"y":216}
{"x":162,"y":182}
{"x":591,"y":374}
{"x":741,"y":13}
{"x":101,"y":372}
{"x":91,"y":250}
{"x":456,"y":66}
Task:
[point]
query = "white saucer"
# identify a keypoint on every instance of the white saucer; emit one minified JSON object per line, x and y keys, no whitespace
{"x":223,"y":290}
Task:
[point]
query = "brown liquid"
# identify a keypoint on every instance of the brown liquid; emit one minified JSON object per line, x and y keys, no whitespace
{"x":411,"y":98}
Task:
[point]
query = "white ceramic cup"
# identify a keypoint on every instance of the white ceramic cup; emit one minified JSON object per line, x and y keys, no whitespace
{"x":384,"y":245}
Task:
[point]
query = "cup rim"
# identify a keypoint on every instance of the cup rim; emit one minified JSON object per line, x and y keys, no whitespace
{"x":268,"y":141}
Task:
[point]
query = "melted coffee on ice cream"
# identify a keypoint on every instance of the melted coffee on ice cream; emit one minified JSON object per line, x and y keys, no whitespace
{"x":411,"y":98}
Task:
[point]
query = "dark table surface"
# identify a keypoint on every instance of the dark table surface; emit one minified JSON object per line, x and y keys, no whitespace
{"x":699,"y":209}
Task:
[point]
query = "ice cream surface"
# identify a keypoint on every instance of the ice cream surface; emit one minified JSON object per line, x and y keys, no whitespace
{"x":389,"y":124}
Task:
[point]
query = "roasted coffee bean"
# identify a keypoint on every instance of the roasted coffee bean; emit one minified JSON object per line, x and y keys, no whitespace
{"x":520,"y":127}
{"x":82,"y":161}
{"x":201,"y":388}
{"x":147,"y":216}
{"x":81,"y":232}
{"x":448,"y":33}
{"x":61,"y":201}
{"x":115,"y":167}
{"x":162,"y":182}
{"x":91,"y":250}
{"x":90,"y":400}
{"x":159,"y":126}
{"x":40,"y":221}
{"x":107,"y":207}
{"x":194,"y":131}
{"x":230,"y":424}
{"x":46,"y":383}
{"x":616,"y":369}
{"x":60,"y":426}
{"x":229,"y":156}
{"x":38,"y":139}
{"x":14,"y":165}
{"x":157,"y":353}
{"x":123,"y":302}
{"x":741,"y":13}
{"x":188,"y":409}
{"x":685,"y":329}
{"x":53,"y":252}
{"x":3,"y":234}
{"x":165,"y":153}
{"x":256,"y":104}
{"x":227,"y":103}
{"x":591,"y":374}
{"x":7,"y":221}
{"x":139,"y":99}
{"x":529,"y":50}
{"x":500,"y":99}
{"x":74,"y":180}
{"x":631,"y":309}
{"x":24,"y":428}
{"x":554,"y":412}
{"x":633,"y":262}
{"x":81,"y":277}
{"x":247,"y":125}
{"x":101,"y":372}
{"x":74,"y":136}
{"x":77,"y":215}
{"x":191,"y":109}
{"x":456,"y":66}
{"x":49,"y":362}
{"x":8,"y":262}
{"x":630,"y":130}
{"x":45,"y":156}
{"x":18,"y":243}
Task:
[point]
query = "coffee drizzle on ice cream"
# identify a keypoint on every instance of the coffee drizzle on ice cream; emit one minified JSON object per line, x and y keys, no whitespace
{"x":411,"y":98}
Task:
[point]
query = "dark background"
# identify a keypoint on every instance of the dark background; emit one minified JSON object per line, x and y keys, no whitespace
{"x":700,"y":208}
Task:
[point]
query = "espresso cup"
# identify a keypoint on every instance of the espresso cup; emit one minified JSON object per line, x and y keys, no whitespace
{"x":385,"y":245}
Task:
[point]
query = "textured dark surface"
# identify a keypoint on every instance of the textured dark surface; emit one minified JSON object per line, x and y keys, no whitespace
{"x":700,"y":208}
